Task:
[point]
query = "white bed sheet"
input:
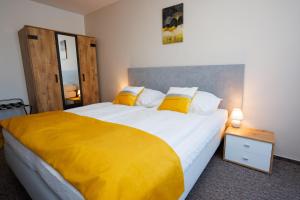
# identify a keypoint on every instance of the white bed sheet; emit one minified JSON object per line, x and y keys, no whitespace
{"x":187,"y":134}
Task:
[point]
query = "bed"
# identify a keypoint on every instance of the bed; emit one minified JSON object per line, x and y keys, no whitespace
{"x":195,"y":138}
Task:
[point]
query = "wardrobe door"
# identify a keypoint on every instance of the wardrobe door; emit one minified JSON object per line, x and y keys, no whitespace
{"x":42,"y":50}
{"x":88,"y":69}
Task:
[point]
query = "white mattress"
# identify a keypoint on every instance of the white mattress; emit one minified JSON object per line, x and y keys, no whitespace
{"x":187,"y":134}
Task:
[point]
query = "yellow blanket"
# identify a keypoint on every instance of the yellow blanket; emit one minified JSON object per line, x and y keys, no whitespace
{"x":102,"y":160}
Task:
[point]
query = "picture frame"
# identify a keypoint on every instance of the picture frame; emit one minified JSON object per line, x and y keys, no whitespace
{"x":172,"y":24}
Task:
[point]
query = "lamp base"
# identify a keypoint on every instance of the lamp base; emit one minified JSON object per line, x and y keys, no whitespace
{"x":236,"y":123}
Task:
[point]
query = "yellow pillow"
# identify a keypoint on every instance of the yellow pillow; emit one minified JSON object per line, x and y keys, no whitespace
{"x":178,"y":99}
{"x":128,"y":96}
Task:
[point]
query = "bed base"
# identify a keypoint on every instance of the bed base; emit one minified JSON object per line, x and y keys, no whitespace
{"x":197,"y":167}
{"x":36,"y":187}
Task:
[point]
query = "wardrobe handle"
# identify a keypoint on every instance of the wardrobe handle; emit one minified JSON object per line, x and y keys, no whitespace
{"x":56,"y":78}
{"x":245,"y":158}
{"x":83,"y":77}
{"x":33,"y":37}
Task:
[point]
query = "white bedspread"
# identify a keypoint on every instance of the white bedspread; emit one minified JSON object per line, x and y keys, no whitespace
{"x":187,"y":134}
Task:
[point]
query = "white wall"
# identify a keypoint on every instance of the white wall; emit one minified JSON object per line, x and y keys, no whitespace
{"x":263,"y":34}
{"x":14,"y":14}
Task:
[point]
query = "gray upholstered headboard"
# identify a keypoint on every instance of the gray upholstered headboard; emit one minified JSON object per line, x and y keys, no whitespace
{"x":225,"y":81}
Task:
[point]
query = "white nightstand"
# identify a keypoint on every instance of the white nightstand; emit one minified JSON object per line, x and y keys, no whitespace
{"x":249,"y":147}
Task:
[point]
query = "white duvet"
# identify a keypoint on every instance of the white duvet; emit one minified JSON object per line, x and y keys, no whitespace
{"x":187,"y":134}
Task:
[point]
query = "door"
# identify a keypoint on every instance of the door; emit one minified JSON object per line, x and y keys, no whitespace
{"x":88,"y":69}
{"x":42,"y":50}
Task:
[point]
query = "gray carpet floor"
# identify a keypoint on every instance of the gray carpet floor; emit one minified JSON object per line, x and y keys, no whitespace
{"x":220,"y":180}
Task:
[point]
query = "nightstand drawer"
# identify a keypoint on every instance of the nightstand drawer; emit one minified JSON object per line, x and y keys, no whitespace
{"x":240,"y":144}
{"x":261,"y":162}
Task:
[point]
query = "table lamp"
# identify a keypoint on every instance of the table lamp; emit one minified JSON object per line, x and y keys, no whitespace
{"x":236,"y":117}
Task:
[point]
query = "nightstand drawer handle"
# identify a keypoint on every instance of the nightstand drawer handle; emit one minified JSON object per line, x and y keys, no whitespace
{"x":247,"y":145}
{"x":245,"y":159}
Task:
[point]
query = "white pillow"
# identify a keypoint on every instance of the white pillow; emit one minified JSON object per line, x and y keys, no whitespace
{"x":185,"y":91}
{"x":150,"y":98}
{"x":132,"y":89}
{"x":205,"y":103}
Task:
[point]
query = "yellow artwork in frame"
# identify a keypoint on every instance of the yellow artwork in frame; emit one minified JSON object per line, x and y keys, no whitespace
{"x":172,"y":30}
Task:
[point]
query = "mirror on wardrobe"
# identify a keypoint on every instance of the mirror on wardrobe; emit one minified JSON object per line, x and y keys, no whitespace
{"x":69,"y":69}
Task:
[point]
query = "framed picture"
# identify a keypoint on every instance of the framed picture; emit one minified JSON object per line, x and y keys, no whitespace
{"x":172,"y":25}
{"x":63,"y":49}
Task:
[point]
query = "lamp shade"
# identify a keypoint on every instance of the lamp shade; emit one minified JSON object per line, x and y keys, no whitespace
{"x":237,"y":114}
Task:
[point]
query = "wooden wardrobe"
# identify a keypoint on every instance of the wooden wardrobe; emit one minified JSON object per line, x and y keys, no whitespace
{"x":43,"y":73}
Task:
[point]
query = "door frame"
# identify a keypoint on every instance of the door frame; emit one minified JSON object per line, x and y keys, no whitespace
{"x":60,"y":71}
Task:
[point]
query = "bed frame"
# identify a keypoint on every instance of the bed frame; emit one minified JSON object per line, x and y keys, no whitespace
{"x":226,"y":81}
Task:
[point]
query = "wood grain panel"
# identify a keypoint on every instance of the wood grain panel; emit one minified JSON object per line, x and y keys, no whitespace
{"x":88,"y":69}
{"x":251,"y":133}
{"x":42,"y":50}
{"x":30,"y":84}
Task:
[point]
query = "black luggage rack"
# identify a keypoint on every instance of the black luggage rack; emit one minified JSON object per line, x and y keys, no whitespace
{"x":16,"y":103}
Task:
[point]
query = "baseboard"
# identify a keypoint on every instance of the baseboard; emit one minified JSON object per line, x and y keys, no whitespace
{"x":287,"y":159}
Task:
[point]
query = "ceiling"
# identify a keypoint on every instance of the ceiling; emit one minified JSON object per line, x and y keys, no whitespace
{"x":78,"y":6}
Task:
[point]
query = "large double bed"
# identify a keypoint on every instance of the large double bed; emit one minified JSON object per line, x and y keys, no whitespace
{"x":193,"y":137}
